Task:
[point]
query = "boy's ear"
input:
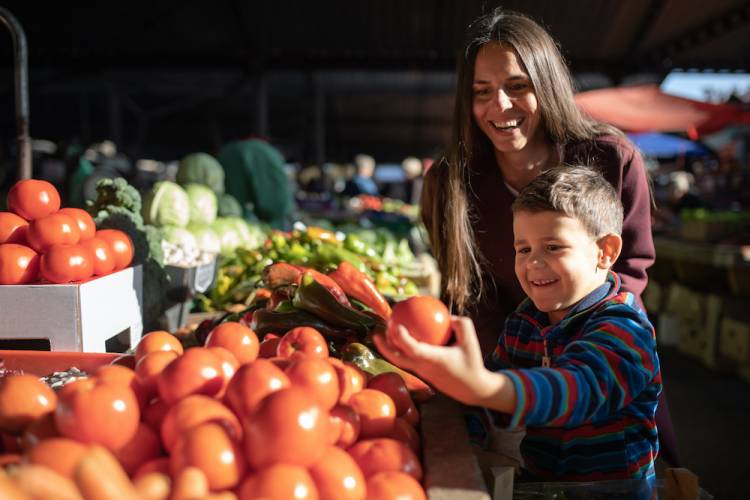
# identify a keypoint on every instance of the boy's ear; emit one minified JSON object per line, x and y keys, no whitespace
{"x":610,"y":246}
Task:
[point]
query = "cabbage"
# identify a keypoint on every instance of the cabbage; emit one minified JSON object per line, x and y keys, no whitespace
{"x":229,"y":236}
{"x":208,"y":240}
{"x":179,"y":236}
{"x":201,"y":168}
{"x":203,"y":204}
{"x":166,"y":204}
{"x":229,"y":206}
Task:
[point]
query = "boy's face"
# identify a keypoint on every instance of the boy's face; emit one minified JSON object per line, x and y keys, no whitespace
{"x":557,"y":261}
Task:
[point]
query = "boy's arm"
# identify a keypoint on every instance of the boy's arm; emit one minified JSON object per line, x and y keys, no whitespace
{"x":456,"y":370}
{"x":601,"y":372}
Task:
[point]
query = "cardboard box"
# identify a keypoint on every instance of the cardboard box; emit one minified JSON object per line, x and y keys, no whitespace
{"x":699,"y":316}
{"x":734,"y":340}
{"x":99,"y":315}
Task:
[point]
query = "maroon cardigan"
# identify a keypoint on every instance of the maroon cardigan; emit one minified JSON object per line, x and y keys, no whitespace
{"x":490,"y":199}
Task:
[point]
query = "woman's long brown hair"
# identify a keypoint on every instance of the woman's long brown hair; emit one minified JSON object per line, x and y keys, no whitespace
{"x":446,"y":202}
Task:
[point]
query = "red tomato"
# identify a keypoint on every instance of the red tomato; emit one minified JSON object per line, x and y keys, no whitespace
{"x":59,"y":454}
{"x":23,"y":399}
{"x":318,"y":377}
{"x":85,"y":221}
{"x":392,"y":384}
{"x":66,"y":263}
{"x":385,"y":454}
{"x":32,"y":199}
{"x":337,"y":475}
{"x":403,"y":431}
{"x":198,"y":371}
{"x":19,"y":264}
{"x":269,"y":346}
{"x":389,"y":485}
{"x":351,"y":379}
{"x":194,"y":411}
{"x":153,"y":414}
{"x":211,"y":449}
{"x":279,"y":482}
{"x":302,"y":341}
{"x":97,"y":412}
{"x":344,"y":426}
{"x":104,"y":260}
{"x":426,"y":318}
{"x":376,"y":411}
{"x":121,"y":245}
{"x":229,"y":365}
{"x":40,"y":429}
{"x":289,"y":426}
{"x":158,"y":340}
{"x":144,"y":446}
{"x":12,"y":228}
{"x":251,"y":383}
{"x":54,"y":229}
{"x":118,"y":374}
{"x":149,"y":367}
{"x":237,"y":338}
{"x":411,"y":415}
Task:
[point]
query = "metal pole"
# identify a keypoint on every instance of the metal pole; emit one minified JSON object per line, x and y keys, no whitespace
{"x":20,"y":61}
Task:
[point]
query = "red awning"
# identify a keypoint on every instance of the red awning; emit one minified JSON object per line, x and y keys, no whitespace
{"x":645,"y":108}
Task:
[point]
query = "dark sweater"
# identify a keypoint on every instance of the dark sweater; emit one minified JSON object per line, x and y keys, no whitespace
{"x":621,"y":165}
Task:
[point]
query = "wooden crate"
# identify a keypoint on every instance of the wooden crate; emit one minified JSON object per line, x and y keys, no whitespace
{"x":734,"y":340}
{"x":699,"y":317}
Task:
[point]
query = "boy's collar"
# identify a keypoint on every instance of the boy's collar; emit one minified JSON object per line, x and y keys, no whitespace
{"x":607,"y":289}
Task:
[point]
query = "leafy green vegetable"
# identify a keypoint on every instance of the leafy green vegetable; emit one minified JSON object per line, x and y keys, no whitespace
{"x":201,"y":168}
{"x":203,"y":203}
{"x":206,"y":237}
{"x":166,"y":204}
{"x":229,"y":206}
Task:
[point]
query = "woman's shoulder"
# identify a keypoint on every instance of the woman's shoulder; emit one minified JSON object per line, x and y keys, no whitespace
{"x":608,"y":149}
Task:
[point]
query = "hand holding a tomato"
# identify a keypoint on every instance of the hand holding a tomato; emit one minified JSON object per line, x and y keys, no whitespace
{"x":456,"y":370}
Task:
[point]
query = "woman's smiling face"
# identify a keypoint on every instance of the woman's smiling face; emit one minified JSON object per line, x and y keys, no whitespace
{"x":557,"y":261}
{"x":504,"y":104}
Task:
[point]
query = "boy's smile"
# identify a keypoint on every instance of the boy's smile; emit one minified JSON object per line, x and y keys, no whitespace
{"x":558,"y":262}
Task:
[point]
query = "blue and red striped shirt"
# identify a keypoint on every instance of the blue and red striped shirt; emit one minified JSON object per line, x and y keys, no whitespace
{"x":590,"y":415}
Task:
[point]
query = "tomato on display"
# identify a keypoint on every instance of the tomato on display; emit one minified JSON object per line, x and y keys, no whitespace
{"x":121,"y":245}
{"x":13,"y":228}
{"x":83,"y":219}
{"x":426,"y":318}
{"x":101,"y":251}
{"x":54,"y":229}
{"x":19,"y":264}
{"x":66,"y":263}
{"x":33,"y":199}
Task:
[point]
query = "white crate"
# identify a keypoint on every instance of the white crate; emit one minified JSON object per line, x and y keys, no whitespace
{"x":75,"y":316}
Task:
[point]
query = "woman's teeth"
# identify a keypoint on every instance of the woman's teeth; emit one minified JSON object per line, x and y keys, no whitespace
{"x":506,"y":125}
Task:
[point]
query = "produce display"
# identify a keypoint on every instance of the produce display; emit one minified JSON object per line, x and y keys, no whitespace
{"x":236,"y":417}
{"x":388,"y":261}
{"x":39,"y":241}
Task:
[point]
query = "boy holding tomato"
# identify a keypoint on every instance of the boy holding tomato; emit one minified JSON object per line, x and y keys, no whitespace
{"x":576,"y":364}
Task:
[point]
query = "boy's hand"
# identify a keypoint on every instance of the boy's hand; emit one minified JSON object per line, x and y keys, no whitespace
{"x":456,"y":370}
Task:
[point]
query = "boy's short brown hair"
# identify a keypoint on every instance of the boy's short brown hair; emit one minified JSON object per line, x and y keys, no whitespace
{"x":578,"y":192}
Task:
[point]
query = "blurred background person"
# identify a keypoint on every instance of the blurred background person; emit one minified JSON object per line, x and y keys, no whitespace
{"x":362,"y":182}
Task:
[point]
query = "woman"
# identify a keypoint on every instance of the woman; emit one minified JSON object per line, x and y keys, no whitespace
{"x":515,"y":116}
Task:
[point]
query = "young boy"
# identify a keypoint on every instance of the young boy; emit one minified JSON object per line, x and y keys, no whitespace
{"x":576,"y":364}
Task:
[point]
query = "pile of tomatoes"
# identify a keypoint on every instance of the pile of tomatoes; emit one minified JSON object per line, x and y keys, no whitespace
{"x":39,"y":240}
{"x":234,"y":418}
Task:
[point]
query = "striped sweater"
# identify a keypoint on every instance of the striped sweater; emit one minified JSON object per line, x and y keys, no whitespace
{"x":590,"y":415}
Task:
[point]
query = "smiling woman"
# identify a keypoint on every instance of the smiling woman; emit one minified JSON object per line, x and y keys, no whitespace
{"x":515,"y":116}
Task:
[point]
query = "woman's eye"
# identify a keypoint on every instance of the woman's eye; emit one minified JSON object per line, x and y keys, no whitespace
{"x":523,"y":250}
{"x":481,"y":92}
{"x":553,"y":248}
{"x":518,"y":87}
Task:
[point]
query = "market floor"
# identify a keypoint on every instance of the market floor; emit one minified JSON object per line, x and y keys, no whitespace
{"x":711,"y":417}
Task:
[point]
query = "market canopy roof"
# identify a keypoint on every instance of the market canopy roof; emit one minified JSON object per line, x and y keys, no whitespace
{"x":660,"y":145}
{"x":645,"y":108}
